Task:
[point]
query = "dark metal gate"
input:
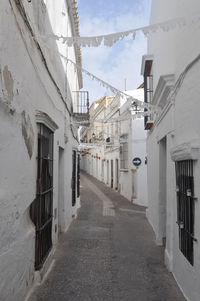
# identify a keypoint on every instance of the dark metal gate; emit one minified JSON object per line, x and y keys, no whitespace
{"x":42,"y":207}
{"x":74,"y":178}
{"x":185,"y":207}
{"x":78,"y":176}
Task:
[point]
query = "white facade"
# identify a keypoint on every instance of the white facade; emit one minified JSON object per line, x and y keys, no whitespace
{"x":112,"y":128}
{"x":35,"y":88}
{"x":133,"y":179}
{"x":174,"y":137}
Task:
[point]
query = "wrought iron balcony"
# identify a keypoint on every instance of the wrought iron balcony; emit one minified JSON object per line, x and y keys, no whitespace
{"x":81,"y":105}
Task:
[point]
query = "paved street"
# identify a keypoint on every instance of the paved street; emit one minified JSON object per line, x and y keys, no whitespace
{"x":108,"y":254}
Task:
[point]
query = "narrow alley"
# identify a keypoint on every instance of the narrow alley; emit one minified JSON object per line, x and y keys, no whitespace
{"x":107,"y":254}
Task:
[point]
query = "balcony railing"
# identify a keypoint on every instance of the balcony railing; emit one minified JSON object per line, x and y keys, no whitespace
{"x":81,"y":105}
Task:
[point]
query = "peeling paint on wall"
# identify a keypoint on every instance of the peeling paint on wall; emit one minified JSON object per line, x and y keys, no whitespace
{"x":5,"y":101}
{"x":9,"y":83}
{"x":28,"y":133}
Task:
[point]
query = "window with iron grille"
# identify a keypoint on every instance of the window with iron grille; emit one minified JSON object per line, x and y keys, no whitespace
{"x":80,"y":102}
{"x":78,"y":176}
{"x":116,"y":128}
{"x":42,"y":207}
{"x":111,"y":129}
{"x":185,"y":207}
{"x":74,"y":178}
{"x":148,"y":86}
{"x":124,"y":152}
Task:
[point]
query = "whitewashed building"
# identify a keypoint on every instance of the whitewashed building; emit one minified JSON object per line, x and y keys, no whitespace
{"x":113,"y":140}
{"x":38,"y":145}
{"x":171,"y":72}
{"x":133,"y":162}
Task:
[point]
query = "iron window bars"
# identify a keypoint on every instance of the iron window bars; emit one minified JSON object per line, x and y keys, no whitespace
{"x":73,"y":178}
{"x":81,"y":102}
{"x":185,"y":207}
{"x":78,"y":176}
{"x":124,"y":152}
{"x":42,"y":207}
{"x":148,"y":93}
{"x":148,"y":86}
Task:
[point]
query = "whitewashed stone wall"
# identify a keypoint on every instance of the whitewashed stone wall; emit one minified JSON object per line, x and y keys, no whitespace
{"x":133,"y":181}
{"x":173,"y":53}
{"x":26,"y":87}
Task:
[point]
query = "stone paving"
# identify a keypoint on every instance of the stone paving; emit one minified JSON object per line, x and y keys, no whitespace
{"x":108,"y":254}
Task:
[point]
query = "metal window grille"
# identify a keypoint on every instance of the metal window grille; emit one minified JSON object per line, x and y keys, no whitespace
{"x":185,"y":207}
{"x":148,"y":93}
{"x":124,"y":155}
{"x":81,"y":102}
{"x":111,"y":173}
{"x":74,"y":178}
{"x":78,"y":176}
{"x":42,"y":207}
{"x":116,"y":128}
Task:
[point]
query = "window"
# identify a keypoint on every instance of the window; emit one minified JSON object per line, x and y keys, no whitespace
{"x":78,"y":176}
{"x":124,"y":152}
{"x":74,"y":178}
{"x":42,"y":207}
{"x":108,"y":130}
{"x":116,"y":128}
{"x":111,"y":129}
{"x":148,"y":88}
{"x":185,"y":207}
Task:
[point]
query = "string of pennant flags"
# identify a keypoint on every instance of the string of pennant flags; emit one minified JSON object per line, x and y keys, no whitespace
{"x":111,"y":88}
{"x":110,"y":39}
{"x":135,"y":115}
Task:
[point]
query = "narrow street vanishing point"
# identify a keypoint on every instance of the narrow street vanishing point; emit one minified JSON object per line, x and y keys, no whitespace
{"x":107,"y":254}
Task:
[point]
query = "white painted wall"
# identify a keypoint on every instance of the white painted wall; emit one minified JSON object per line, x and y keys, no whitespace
{"x":172,"y":52}
{"x":139,"y":150}
{"x":25,"y":86}
{"x":133,"y":182}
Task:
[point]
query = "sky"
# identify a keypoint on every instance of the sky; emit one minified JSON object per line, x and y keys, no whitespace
{"x":121,"y":61}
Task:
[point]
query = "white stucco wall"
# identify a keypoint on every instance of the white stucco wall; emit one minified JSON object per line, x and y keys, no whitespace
{"x":138,"y":143}
{"x":179,"y":52}
{"x":26,"y":87}
{"x":133,"y":181}
{"x":172,"y":53}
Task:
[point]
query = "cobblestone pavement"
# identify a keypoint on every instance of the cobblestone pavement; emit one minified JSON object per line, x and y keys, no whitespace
{"x":108,"y":254}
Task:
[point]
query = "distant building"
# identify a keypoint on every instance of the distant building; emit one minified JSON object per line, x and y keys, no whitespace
{"x":112,"y":141}
{"x":171,"y":72}
{"x":39,"y":174}
{"x":133,"y":163}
